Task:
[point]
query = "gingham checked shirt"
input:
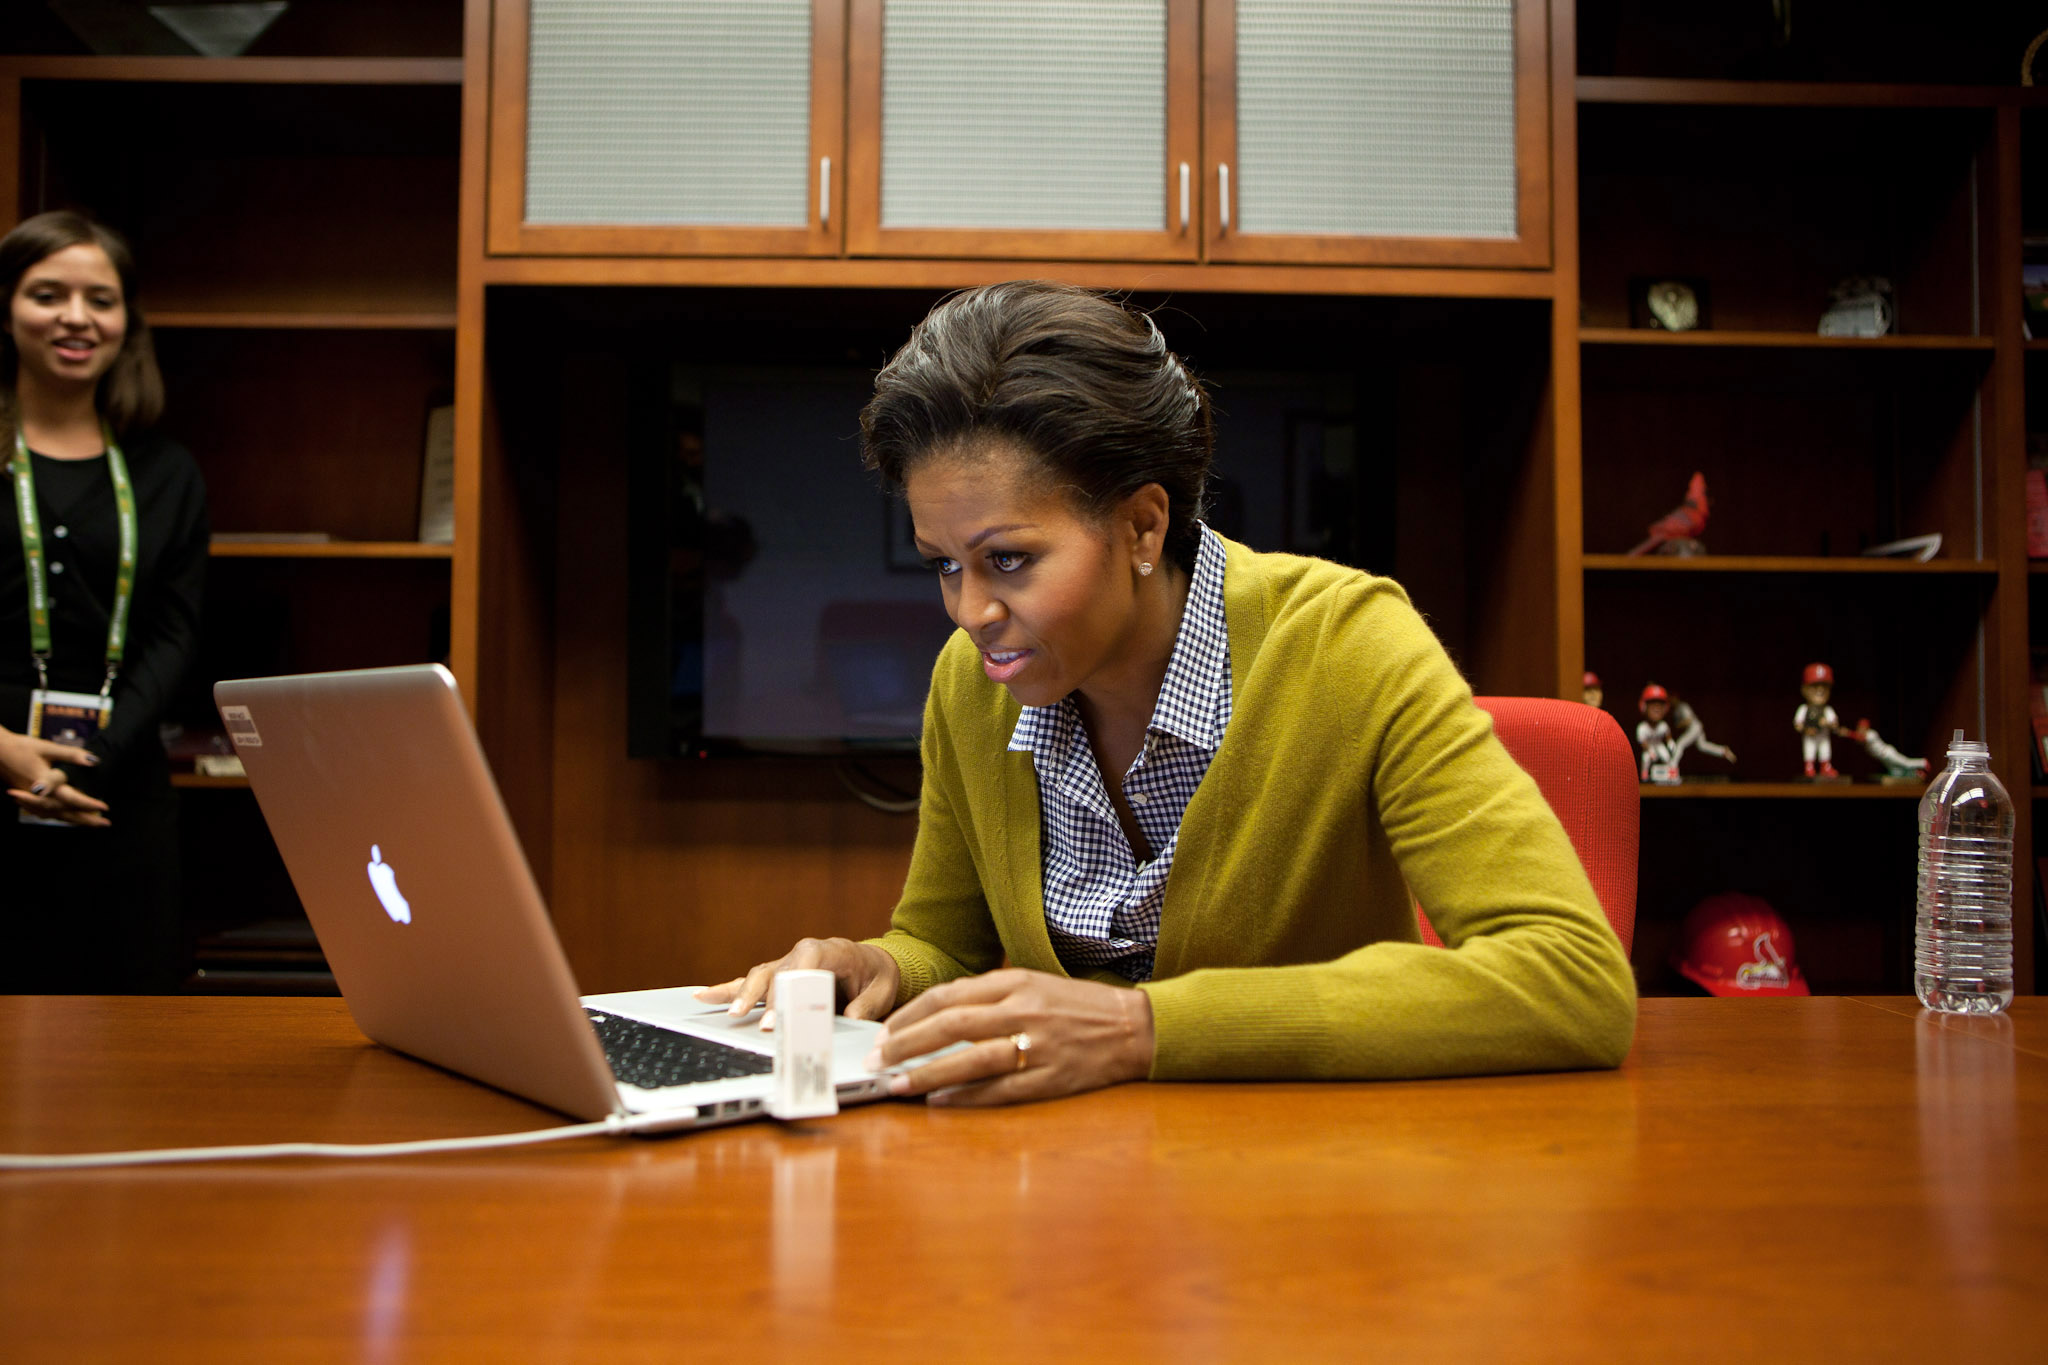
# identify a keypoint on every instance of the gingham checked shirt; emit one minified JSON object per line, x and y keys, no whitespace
{"x":1101,"y":903}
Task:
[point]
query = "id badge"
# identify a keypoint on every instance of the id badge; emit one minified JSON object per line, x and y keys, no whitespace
{"x":64,"y":718}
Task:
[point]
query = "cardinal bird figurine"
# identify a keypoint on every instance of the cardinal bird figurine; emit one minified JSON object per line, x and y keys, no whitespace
{"x":1677,"y":532}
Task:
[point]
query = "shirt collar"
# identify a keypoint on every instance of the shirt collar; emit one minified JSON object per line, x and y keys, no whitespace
{"x":1197,"y":674}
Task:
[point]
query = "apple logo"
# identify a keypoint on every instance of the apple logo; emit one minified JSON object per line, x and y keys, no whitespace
{"x":385,"y":883}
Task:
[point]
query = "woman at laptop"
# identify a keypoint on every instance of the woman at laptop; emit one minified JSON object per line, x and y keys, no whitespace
{"x":1185,"y":790}
{"x":100,"y":578}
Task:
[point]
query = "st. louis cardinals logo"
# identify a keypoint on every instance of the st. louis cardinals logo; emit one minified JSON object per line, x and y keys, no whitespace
{"x":1767,"y":968}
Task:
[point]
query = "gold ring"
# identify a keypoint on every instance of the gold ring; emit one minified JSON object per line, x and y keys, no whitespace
{"x":1022,"y":1042}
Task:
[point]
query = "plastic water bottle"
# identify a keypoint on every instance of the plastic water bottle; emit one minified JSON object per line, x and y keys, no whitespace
{"x":1962,"y":934}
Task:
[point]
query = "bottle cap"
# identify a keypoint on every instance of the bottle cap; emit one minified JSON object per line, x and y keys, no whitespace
{"x":1968,"y":748}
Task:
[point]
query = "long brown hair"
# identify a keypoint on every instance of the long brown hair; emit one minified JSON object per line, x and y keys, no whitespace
{"x":131,"y":393}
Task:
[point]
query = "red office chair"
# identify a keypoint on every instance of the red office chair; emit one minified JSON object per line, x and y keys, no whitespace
{"x":1586,"y":769}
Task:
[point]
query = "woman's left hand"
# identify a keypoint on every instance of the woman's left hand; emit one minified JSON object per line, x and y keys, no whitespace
{"x":1082,"y":1035}
{"x":28,"y":773}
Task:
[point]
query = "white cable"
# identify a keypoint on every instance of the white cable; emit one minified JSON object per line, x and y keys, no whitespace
{"x":614,"y":1125}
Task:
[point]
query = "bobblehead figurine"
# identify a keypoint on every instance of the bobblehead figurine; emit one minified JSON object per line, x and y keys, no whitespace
{"x":1659,"y":762}
{"x":1897,"y":767}
{"x":1818,"y":724}
{"x":1593,"y":694}
{"x":1692,"y":734}
{"x":1668,"y":728}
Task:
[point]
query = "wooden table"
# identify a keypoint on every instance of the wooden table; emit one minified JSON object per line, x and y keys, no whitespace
{"x":1769,"y":1179}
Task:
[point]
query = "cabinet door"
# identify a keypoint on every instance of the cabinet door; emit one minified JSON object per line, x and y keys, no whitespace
{"x":1024,"y":128}
{"x":667,"y":127}
{"x":1398,"y":132}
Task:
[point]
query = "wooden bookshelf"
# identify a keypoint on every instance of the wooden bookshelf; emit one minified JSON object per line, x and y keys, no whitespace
{"x":293,"y":213}
{"x":292,"y":321}
{"x":1781,"y":791}
{"x":1785,"y":564}
{"x":1758,"y":94}
{"x":1644,"y":336}
{"x":335,"y":549}
{"x":1690,"y":158}
{"x":239,"y":70}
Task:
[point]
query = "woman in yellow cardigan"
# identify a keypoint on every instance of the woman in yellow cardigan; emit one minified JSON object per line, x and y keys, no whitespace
{"x":1190,"y":792}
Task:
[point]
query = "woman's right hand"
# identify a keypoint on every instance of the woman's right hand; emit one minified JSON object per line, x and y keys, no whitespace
{"x":26,"y":765}
{"x":867,"y":979}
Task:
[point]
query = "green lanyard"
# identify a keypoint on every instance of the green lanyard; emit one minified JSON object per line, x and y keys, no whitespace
{"x":38,"y":574}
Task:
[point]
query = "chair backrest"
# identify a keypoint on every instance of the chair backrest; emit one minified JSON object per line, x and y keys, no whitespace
{"x":1586,"y":769}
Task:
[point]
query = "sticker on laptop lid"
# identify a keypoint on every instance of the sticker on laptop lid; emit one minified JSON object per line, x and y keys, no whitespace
{"x":241,"y":729}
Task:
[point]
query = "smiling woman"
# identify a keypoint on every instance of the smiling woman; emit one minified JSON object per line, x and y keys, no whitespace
{"x":1189,"y":792}
{"x":99,"y":613}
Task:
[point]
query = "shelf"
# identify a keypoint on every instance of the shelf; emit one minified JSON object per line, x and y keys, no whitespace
{"x":329,"y":549}
{"x":240,"y":70}
{"x":1811,"y":94}
{"x":1646,"y":336}
{"x":1803,"y":791}
{"x":194,"y":780}
{"x":1783,"y":564}
{"x":303,"y":321}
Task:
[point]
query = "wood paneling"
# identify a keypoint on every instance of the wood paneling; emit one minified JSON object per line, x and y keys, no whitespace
{"x":10,"y":149}
{"x":1567,"y":429}
{"x":1771,"y":208}
{"x":1391,"y":281}
{"x":240,"y":70}
{"x":1786,"y":94}
{"x":464,"y":649}
{"x":684,"y":870}
{"x":260,"y":198}
{"x":2008,"y":648}
{"x":308,"y":430}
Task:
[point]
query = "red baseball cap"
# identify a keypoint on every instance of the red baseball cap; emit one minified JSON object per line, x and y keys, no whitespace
{"x":1733,"y":945}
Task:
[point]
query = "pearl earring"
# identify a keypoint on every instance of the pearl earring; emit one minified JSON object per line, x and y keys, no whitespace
{"x":1144,"y":570}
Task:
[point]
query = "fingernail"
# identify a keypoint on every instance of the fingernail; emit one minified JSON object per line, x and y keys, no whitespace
{"x":768,"y":1022}
{"x":736,"y":1008}
{"x":899,"y":1085}
{"x":92,"y":760}
{"x":873,"y":1061}
{"x":39,"y":788}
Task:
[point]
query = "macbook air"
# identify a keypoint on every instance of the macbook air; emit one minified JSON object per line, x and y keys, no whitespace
{"x":377,"y":793}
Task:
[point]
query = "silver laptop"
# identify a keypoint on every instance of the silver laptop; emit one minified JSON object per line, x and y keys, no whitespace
{"x":380,"y":800}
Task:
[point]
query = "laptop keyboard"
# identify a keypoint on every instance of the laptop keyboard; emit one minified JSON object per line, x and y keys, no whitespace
{"x":656,"y":1058}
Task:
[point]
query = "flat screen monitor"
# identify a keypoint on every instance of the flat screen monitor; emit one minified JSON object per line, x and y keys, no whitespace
{"x":793,"y":613}
{"x":779,"y":605}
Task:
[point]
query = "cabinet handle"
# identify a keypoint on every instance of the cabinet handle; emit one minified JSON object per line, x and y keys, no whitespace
{"x":1223,"y":194}
{"x":1183,"y":196}
{"x":824,"y":191}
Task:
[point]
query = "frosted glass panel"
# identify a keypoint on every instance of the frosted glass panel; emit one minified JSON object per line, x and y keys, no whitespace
{"x":1376,"y":117}
{"x":669,"y":112}
{"x":1024,"y":114}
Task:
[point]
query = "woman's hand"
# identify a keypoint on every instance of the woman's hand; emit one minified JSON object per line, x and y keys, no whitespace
{"x":37,"y":786}
{"x":1083,"y":1035}
{"x":867,"y":978}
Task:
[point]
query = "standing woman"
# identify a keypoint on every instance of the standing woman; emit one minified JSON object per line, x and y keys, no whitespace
{"x":101,"y":572}
{"x":1189,"y":792}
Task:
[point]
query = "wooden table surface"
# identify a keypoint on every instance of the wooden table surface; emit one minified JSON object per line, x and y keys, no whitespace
{"x":1764,"y":1179}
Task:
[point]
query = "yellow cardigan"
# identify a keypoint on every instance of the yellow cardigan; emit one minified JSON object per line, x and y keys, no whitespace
{"x":1355,"y":771}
